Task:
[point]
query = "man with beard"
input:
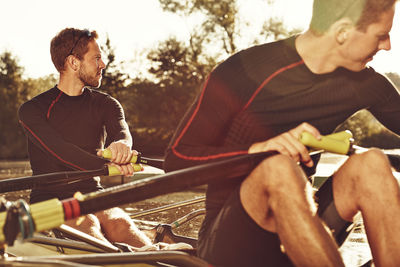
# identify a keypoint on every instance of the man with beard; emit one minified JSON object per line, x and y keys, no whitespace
{"x":69,"y":124}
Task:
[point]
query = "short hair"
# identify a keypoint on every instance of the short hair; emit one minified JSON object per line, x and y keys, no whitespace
{"x":361,"y":12}
{"x":70,"y":41}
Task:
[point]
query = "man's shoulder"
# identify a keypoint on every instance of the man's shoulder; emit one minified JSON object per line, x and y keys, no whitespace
{"x":270,"y":47}
{"x":368,"y":74}
{"x":270,"y":52}
{"x":39,"y":103}
{"x":98,"y":94}
{"x":42,"y":98}
{"x":101,"y":97}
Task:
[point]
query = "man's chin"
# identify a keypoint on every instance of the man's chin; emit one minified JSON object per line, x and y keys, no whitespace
{"x":95,"y":84}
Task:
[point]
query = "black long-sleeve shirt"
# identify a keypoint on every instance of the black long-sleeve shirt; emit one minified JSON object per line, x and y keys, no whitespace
{"x":64,"y":132}
{"x":264,"y":91}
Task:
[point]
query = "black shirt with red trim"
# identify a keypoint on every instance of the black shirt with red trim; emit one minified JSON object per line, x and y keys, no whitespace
{"x":64,"y":132}
{"x":264,"y":91}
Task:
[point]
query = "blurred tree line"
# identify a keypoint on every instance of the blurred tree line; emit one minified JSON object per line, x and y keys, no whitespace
{"x":155,"y":102}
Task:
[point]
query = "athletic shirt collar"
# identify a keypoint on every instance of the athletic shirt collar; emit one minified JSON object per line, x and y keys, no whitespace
{"x":293,"y":56}
{"x":71,"y":98}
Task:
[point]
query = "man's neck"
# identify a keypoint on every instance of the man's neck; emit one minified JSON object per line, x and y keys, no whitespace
{"x":70,"y":85}
{"x":317,"y":52}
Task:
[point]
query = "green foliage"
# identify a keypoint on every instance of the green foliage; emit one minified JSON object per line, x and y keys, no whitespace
{"x":14,"y":90}
{"x":113,"y":80}
{"x":274,"y":29}
{"x":12,"y":94}
{"x":156,"y":105}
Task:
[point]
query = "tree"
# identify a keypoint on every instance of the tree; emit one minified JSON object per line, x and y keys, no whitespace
{"x":12,"y":94}
{"x":157,"y":104}
{"x":113,"y":81}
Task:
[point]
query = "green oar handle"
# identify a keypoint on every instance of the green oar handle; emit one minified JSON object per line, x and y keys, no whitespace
{"x":108,"y":155}
{"x":329,"y":144}
{"x":113,"y":170}
{"x":343,"y":135}
{"x":137,"y":159}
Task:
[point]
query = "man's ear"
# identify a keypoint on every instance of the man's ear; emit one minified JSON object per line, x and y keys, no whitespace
{"x":341,"y":30}
{"x":72,"y":62}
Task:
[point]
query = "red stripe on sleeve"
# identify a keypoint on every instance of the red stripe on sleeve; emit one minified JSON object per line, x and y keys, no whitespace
{"x":52,"y":104}
{"x":48,"y":149}
{"x":266,"y":81}
{"x":193,"y":115}
{"x":228,"y":154}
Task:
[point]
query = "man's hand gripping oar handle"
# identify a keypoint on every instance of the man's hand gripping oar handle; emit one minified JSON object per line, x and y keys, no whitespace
{"x":158,"y":163}
{"x":336,"y":143}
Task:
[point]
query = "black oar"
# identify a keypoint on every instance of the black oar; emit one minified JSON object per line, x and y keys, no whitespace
{"x":29,"y":182}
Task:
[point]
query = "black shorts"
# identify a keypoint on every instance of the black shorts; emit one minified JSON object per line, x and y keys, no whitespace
{"x":234,"y":239}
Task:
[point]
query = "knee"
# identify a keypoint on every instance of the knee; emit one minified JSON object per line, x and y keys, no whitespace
{"x":279,"y":176}
{"x":280,"y":171}
{"x":369,"y":165}
{"x":372,"y":171}
{"x":372,"y":158}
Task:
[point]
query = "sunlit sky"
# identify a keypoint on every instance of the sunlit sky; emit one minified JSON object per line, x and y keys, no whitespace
{"x":27,"y":27}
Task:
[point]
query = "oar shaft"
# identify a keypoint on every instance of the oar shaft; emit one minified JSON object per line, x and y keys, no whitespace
{"x":29,"y":182}
{"x":167,"y":207}
{"x":57,"y":178}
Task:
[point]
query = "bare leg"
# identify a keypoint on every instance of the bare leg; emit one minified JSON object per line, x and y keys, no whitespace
{"x":117,"y":226}
{"x":365,"y":183}
{"x":278,"y":197}
{"x":112,"y":225}
{"x":88,"y":224}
